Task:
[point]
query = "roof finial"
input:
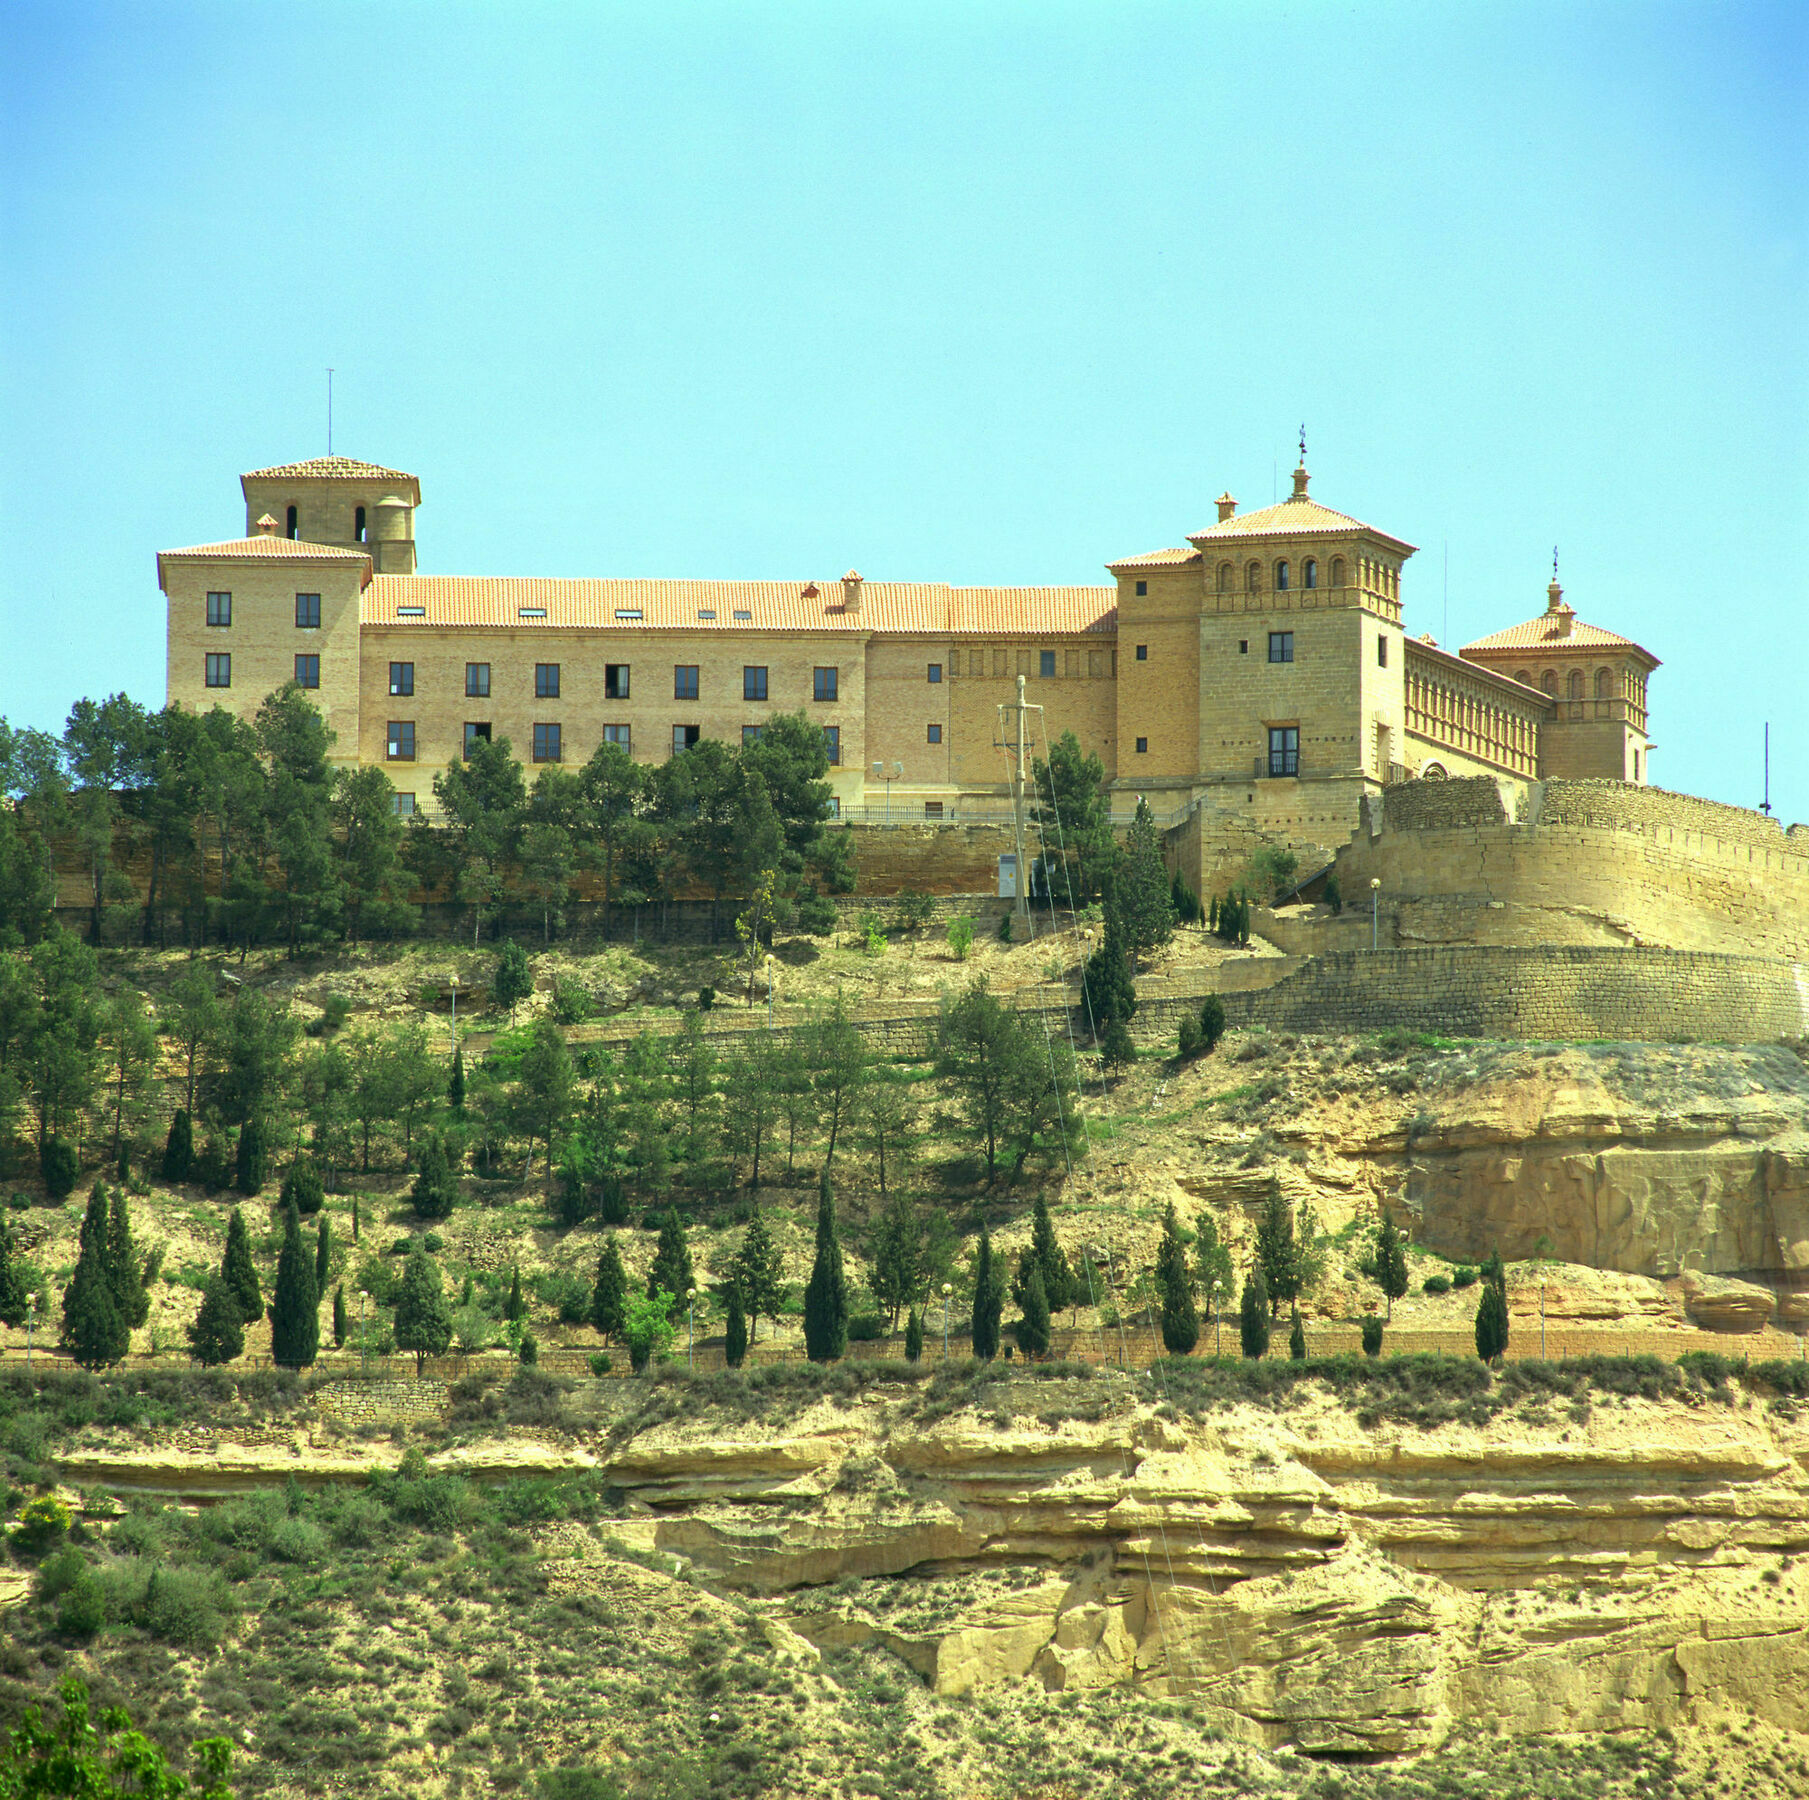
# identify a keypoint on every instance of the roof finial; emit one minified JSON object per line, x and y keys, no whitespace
{"x":1300,"y":474}
{"x":1554,"y":562}
{"x":1303,"y":441}
{"x":1554,"y":595}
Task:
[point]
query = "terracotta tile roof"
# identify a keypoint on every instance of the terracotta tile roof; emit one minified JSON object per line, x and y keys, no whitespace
{"x":327,"y":468}
{"x":1291,"y":518}
{"x":279,"y":548}
{"x":1157,"y":559}
{"x":1544,"y":633}
{"x":908,"y":608}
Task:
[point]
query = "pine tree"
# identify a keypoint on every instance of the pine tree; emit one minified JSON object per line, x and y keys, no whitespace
{"x":1032,"y":1328}
{"x":295,"y":1310}
{"x":759,"y":1271}
{"x":515,"y":1307}
{"x":423,"y":1324}
{"x":1391,"y":1262}
{"x":254,"y":1157}
{"x":514,"y":980}
{"x":914,"y":1336}
{"x":240,"y":1272}
{"x":92,"y":1326}
{"x":826,"y":1293}
{"x":323,"y":1252}
{"x":1253,"y":1315}
{"x":1277,"y":1252}
{"x":179,"y":1147}
{"x":1492,"y":1311}
{"x":455,"y":1088}
{"x":1141,"y":891}
{"x":989,"y":1300}
{"x":609,"y":1294}
{"x":123,"y":1266}
{"x":15,"y":1302}
{"x":1180,"y":1317}
{"x":1297,"y":1339}
{"x":339,"y":1317}
{"x":672,"y":1268}
{"x":217,"y":1334}
{"x":897,"y":1257}
{"x":436,"y":1187}
{"x":734,"y":1340}
{"x":1116,"y":1050}
{"x":1106,"y":985}
{"x":1212,"y":1023}
{"x":1060,"y":1283}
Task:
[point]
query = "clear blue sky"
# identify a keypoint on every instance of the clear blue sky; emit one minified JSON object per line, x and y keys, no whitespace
{"x":978,"y":292}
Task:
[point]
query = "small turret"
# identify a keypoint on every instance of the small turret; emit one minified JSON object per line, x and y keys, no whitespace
{"x":394,"y":536}
{"x":1227,"y":506}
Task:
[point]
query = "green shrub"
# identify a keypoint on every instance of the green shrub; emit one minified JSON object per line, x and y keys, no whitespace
{"x":60,"y":1167}
{"x":303,"y":1188}
{"x":706,"y":998}
{"x":186,"y":1606}
{"x":1436,"y":1284}
{"x":572,"y":1004}
{"x":59,"y":1572}
{"x":1372,"y":1336}
{"x":41,"y":1522}
{"x":1212,"y":1023}
{"x":600,"y":1364}
{"x":1463,"y":1277}
{"x":1334,"y":894}
{"x":1189,"y":1037}
{"x":84,"y":1608}
{"x":529,"y":1351}
{"x":432,"y":1243}
{"x":960,"y":940}
{"x":866,"y":1328}
{"x":335,"y":1009}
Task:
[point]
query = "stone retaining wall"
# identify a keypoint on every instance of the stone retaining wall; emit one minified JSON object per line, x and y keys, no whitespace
{"x":385,"y":1401}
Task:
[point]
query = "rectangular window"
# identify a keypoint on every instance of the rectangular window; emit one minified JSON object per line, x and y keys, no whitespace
{"x":403,"y":805}
{"x":753,"y":684}
{"x":548,"y":746}
{"x":1143,"y":652}
{"x":411,"y":612}
{"x":832,"y":744}
{"x":1143,"y":746}
{"x":1281,"y":646}
{"x":219,"y":669}
{"x":401,"y":678}
{"x":1381,"y":653}
{"x":546,"y":681}
{"x":307,"y":612}
{"x":477,"y":681}
{"x":684,"y":681}
{"x":835,"y":803}
{"x":615,"y":681}
{"x":1142,"y":589}
{"x":219,"y":609}
{"x":932,"y":809}
{"x":742,"y":613}
{"x":823,"y":684}
{"x":750,"y":734}
{"x":1243,"y":646}
{"x":619,"y":734}
{"x":629,"y":612}
{"x":475,"y":729}
{"x":307,"y":671}
{"x":530,"y":612}
{"x":1046,"y":664}
{"x":935,"y":734}
{"x":401,"y":740}
{"x":1284,"y":749}
{"x":684,"y":736}
{"x":935,"y":673}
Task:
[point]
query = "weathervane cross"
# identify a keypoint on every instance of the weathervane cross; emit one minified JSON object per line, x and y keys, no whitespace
{"x":1303,"y":441}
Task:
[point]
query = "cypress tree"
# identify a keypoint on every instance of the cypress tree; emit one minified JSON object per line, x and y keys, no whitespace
{"x":914,"y":1336}
{"x":826,"y":1294}
{"x":1116,"y":1050}
{"x":240,"y":1272}
{"x":436,"y":1188}
{"x":339,"y":1317}
{"x":15,"y":1303}
{"x":1059,"y":1281}
{"x":357,"y":1219}
{"x":123,"y":1266}
{"x":1297,"y":1339}
{"x":423,"y":1324}
{"x":1391,"y":1262}
{"x":515,"y":1307}
{"x":1492,"y":1311}
{"x":217,"y":1334}
{"x":1106,"y":981}
{"x":303,"y":1186}
{"x":1277,"y":1252}
{"x":609,"y":1296}
{"x":514,"y":980}
{"x":323,"y":1252}
{"x":1212,"y":1023}
{"x":1212,"y":917}
{"x":1253,"y":1315}
{"x":253,"y":1166}
{"x":295,"y":1310}
{"x":92,"y":1326}
{"x":455,"y":1088}
{"x":1032,"y":1328}
{"x":179,"y":1147}
{"x":734,"y":1342}
{"x":672,"y":1268}
{"x":989,"y":1300}
{"x":1180,"y":1317}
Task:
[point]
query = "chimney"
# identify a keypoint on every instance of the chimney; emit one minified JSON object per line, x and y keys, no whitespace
{"x":266,"y":526}
{"x":1300,"y":482}
{"x":1562,"y":617}
{"x":851,"y":591}
{"x":1227,"y":506}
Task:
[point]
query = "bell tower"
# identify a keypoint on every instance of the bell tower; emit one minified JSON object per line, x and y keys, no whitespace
{"x":339,"y":501}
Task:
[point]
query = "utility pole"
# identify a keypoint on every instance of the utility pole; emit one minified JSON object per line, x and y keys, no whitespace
{"x":1013,"y":743}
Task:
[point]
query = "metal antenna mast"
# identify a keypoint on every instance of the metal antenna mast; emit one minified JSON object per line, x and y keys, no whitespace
{"x":329,"y":412}
{"x":1012,"y":741}
{"x":1765,"y":804}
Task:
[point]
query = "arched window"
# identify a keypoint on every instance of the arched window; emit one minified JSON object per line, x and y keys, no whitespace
{"x":1549,"y":683}
{"x":1281,"y":576}
{"x":1337,"y":571}
{"x":358,"y":525}
{"x":1224,"y":578}
{"x":1604,"y":685}
{"x":1524,"y":677}
{"x":294,"y":530}
{"x":1253,"y":578}
{"x":1576,"y":684}
{"x":1309,"y":574}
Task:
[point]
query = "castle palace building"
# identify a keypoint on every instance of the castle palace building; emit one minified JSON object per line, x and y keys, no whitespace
{"x":1262,"y":666}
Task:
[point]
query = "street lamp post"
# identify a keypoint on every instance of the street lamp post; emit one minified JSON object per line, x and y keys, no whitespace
{"x":455,"y":1013}
{"x":364,"y":1342}
{"x":1375,"y":905}
{"x":690,"y":1328}
{"x":879,"y":770}
{"x":947,"y":1289}
{"x":1218,"y":1289}
{"x":31,"y":1325}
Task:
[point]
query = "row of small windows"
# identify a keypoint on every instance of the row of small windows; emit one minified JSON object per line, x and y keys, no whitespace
{"x":292,"y":524}
{"x":1575,"y":687}
{"x":547,"y":739}
{"x":1282,"y":579}
{"x":1284,"y":749}
{"x":307,"y":611}
{"x":825,"y":683}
